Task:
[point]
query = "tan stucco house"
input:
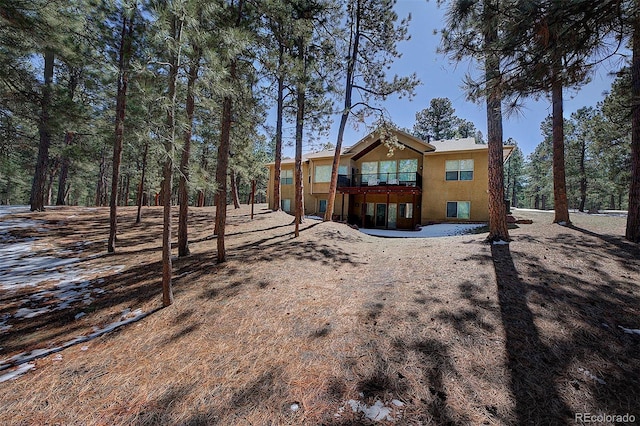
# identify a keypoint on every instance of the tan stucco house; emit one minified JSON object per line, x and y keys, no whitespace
{"x":438,"y":181}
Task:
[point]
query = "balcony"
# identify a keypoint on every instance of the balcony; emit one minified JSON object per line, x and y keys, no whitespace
{"x":382,"y":182}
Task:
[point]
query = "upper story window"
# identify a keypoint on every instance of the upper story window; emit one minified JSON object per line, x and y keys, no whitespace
{"x":323,"y":174}
{"x":459,"y":170}
{"x":286,"y":177}
{"x":390,"y":170}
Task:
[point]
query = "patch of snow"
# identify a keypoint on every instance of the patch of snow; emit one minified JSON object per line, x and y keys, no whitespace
{"x":500,"y":243}
{"x":80,"y":315}
{"x":397,"y":403}
{"x":562,"y":223}
{"x":630,"y":330}
{"x":592,"y":376}
{"x":429,"y":231}
{"x":295,"y":407}
{"x":7,"y":210}
{"x":30,"y":313}
{"x":314,"y":217}
{"x":17,"y":372}
{"x":39,"y":353}
{"x":58,"y":357}
{"x":377,"y":412}
{"x":3,"y":323}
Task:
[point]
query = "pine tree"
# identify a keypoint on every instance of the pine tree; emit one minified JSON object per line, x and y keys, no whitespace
{"x":513,"y":174}
{"x":371,"y":37}
{"x":550,"y":46}
{"x":633,"y":216}
{"x":473,"y":31}
{"x":125,"y":51}
{"x":436,"y":122}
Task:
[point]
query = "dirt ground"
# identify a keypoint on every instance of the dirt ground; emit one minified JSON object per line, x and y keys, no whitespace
{"x":334,"y":327}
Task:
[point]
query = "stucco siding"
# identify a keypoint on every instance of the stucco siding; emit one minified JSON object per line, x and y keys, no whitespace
{"x":437,"y":191}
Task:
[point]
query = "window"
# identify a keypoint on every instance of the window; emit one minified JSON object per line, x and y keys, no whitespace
{"x":369,"y":208}
{"x":322,"y":206}
{"x":285,"y":204}
{"x":408,"y":170}
{"x":323,"y":174}
{"x":286,"y":177}
{"x":405,"y":210}
{"x":458,"y":209}
{"x":343,"y":170}
{"x":387,"y":171}
{"x":459,"y":170}
{"x":369,"y":168}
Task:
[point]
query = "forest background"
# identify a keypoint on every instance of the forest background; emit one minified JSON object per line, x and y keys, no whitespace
{"x":70,"y":70}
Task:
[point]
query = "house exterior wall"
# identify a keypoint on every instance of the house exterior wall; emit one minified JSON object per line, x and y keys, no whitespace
{"x":287,"y":191}
{"x":318,"y":191}
{"x":428,"y":206}
{"x":436,"y":191}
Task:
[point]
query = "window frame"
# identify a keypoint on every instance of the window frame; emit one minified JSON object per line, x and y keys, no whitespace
{"x":323,"y":167}
{"x":284,"y":179}
{"x":459,"y":172}
{"x":405,"y":210}
{"x":457,"y":212}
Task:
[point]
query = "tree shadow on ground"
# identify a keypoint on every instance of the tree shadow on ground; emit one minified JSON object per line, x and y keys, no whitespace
{"x":532,"y":365}
{"x":134,"y":287}
{"x":563,"y":342}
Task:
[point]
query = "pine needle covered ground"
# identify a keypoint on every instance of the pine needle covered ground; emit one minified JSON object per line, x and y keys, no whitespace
{"x":334,"y":327}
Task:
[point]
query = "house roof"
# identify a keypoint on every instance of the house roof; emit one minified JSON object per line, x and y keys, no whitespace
{"x":431,"y":148}
{"x":465,"y":144}
{"x":403,"y":137}
{"x":311,"y":156}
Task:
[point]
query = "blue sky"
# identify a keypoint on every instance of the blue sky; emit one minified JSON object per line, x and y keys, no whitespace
{"x":443,"y":79}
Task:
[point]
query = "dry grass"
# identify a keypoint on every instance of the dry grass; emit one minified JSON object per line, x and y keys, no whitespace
{"x":459,"y":331}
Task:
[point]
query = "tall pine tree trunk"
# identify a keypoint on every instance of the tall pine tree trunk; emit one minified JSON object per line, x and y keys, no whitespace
{"x":277,"y":193}
{"x":633,"y":217}
{"x":141,"y":183}
{"x":223,"y":155}
{"x":348,"y":93}
{"x":300,"y":101}
{"x":169,"y":145}
{"x":74,"y":75}
{"x":124,"y":56}
{"x":183,"y":188}
{"x":221,"y":175}
{"x":53,"y":172}
{"x":583,"y":175}
{"x":64,"y":171}
{"x":102,"y":177}
{"x":234,"y":189}
{"x":39,"y":183}
{"x":560,"y":202}
{"x":498,"y":229}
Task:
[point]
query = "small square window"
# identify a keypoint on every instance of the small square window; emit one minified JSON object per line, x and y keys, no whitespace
{"x":405,"y":210}
{"x":458,"y":209}
{"x":466,"y":175}
{"x":458,"y":170}
{"x":286,"y":177}
{"x":323,"y":174}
